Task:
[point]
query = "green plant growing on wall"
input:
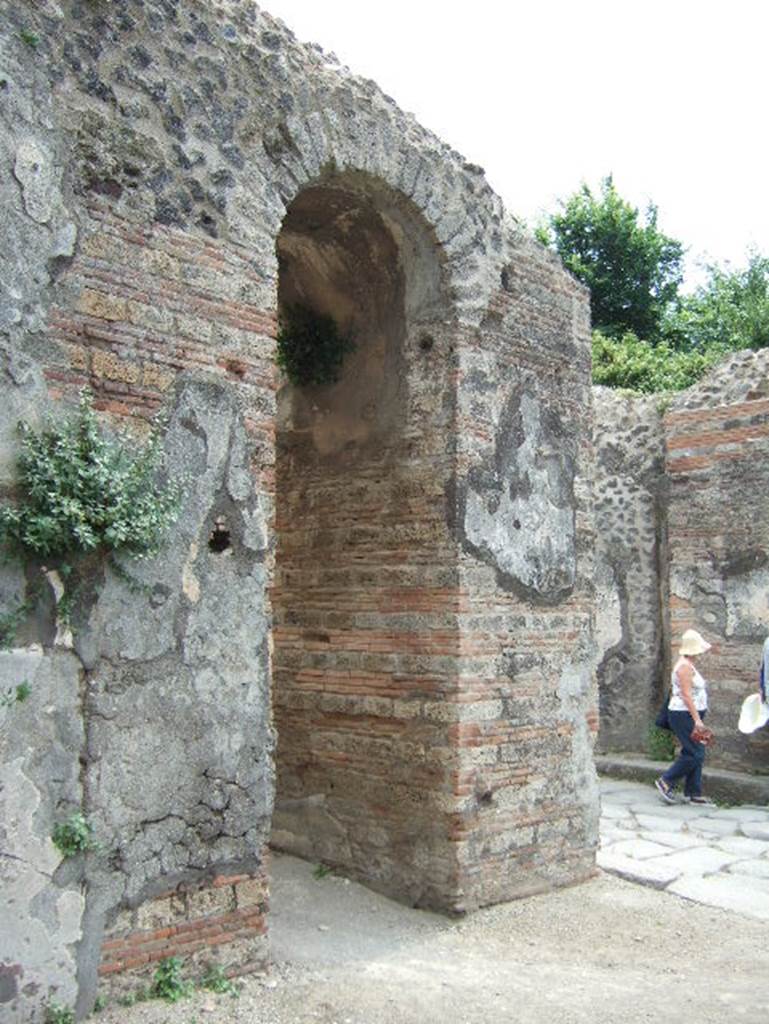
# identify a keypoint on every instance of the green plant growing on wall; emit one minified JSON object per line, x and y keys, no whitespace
{"x":30,"y":38}
{"x":73,"y":836}
{"x":660,"y":744}
{"x":168,"y":983}
{"x":83,"y":493}
{"x":15,"y":695}
{"x":311,"y":349}
{"x":215,"y":980}
{"x":58,"y":1014}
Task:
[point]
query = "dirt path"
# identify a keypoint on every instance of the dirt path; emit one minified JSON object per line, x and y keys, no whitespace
{"x":605,"y":952}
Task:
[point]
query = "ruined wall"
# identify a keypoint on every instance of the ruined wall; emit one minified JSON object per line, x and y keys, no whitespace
{"x":365,"y":590}
{"x":717,"y":462}
{"x":155,"y":722}
{"x":525,"y":715}
{"x":682,"y":542}
{"x":152,"y":153}
{"x":631,"y":568}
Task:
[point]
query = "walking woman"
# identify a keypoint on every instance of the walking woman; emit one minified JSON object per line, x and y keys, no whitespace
{"x":687,"y":707}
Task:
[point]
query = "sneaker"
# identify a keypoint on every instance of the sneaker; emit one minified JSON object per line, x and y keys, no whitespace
{"x":700,"y":800}
{"x":664,"y":791}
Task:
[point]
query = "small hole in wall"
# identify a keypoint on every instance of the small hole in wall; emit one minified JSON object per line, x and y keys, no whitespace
{"x":517,"y":524}
{"x":486,"y":798}
{"x":426,"y":342}
{"x":219,"y":539}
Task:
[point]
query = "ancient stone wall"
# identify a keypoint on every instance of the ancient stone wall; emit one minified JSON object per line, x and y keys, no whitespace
{"x":525,"y":713}
{"x":717,"y":462}
{"x":631,"y":570}
{"x":682,"y":542}
{"x":172,"y":174}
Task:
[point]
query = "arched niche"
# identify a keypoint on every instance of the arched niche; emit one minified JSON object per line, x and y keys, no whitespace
{"x":360,"y":535}
{"x":353,"y":249}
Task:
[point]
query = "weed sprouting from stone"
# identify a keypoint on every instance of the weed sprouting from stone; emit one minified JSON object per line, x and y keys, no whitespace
{"x":168,"y":982}
{"x":660,"y":744}
{"x":73,"y":836}
{"x":30,"y":38}
{"x":58,"y":1014}
{"x":215,"y":980}
{"x":15,"y":695}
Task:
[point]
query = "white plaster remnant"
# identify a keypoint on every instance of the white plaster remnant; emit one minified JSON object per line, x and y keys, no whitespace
{"x":190,"y":582}
{"x":34,"y":171}
{"x":747,"y":603}
{"x":531,"y":538}
{"x":25,"y":873}
{"x":608,"y":617}
{"x":63,"y":631}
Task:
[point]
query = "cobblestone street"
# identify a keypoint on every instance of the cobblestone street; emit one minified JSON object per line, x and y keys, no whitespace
{"x":717,"y":856}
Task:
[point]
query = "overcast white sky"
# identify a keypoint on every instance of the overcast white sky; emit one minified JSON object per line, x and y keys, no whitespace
{"x":670,"y":96}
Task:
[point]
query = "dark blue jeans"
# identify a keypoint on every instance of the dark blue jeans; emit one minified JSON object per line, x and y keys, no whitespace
{"x":688,"y":764}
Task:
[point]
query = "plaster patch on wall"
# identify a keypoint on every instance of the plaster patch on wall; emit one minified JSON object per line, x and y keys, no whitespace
{"x":33,"y":169}
{"x":26,"y":869}
{"x":190,"y":582}
{"x":747,"y":603}
{"x":608,"y":617}
{"x":519,"y":513}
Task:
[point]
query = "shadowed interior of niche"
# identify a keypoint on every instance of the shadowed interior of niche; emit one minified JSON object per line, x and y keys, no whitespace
{"x":355,"y":251}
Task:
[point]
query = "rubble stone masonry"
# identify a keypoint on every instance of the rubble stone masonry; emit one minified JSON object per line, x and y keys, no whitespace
{"x":367,"y":638}
{"x":680,"y":487}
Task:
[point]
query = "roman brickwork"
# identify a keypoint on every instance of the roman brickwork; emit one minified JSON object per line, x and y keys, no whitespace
{"x":717,"y":462}
{"x":367,"y":638}
{"x":682,"y":542}
{"x":525,"y":712}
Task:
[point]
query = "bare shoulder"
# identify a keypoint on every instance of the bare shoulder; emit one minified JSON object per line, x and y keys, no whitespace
{"x":684,"y":670}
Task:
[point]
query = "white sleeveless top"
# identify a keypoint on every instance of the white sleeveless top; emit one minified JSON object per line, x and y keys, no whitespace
{"x":699,"y":693}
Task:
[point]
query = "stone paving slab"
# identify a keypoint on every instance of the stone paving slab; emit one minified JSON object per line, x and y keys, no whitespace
{"x":701,"y":860}
{"x":715,"y":826}
{"x":658,"y":823}
{"x":718,"y":856}
{"x":682,"y":840}
{"x":746,"y":813}
{"x":741,"y":844}
{"x":639,"y":849}
{"x":657,"y":874}
{"x":755,"y":830}
{"x":754,"y":868}
{"x":726,"y":891}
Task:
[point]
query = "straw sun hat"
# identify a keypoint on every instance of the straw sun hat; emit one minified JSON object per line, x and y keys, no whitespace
{"x":754,"y":714}
{"x":693,"y":643}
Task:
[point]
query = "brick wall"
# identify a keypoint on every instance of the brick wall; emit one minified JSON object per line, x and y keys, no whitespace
{"x":366,"y":642}
{"x":152,"y":302}
{"x":717,"y":461}
{"x":526,"y":706}
{"x":223,"y":922}
{"x":141,"y":309}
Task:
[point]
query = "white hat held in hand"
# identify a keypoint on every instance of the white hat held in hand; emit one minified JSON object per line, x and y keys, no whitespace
{"x":693,"y":643}
{"x":754,"y":713}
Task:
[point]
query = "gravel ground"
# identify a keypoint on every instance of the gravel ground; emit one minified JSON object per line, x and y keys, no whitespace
{"x":604,"y":952}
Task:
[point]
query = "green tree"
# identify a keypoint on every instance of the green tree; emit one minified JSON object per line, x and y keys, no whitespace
{"x":635,"y":365}
{"x":730,"y":309}
{"x":633,"y":270}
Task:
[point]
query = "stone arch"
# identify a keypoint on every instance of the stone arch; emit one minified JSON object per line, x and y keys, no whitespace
{"x":350,"y":128}
{"x":353,"y":249}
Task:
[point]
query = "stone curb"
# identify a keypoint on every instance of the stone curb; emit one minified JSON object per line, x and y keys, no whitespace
{"x":721,"y":785}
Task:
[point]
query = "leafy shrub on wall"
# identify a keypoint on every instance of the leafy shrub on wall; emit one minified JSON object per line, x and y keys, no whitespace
{"x":83,"y":492}
{"x":311,"y":349}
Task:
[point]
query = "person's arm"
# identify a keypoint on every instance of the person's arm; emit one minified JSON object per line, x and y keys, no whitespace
{"x":685,"y":679}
